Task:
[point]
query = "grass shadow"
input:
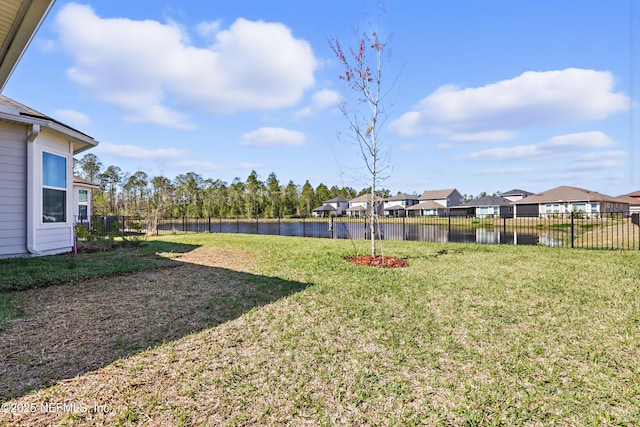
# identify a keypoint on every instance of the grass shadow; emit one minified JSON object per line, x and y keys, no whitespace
{"x":79,"y":326}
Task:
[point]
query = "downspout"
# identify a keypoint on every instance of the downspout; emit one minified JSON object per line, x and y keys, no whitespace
{"x":31,"y":190}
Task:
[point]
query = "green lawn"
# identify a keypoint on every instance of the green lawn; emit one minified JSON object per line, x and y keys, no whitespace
{"x":26,"y":273}
{"x":467,"y":335}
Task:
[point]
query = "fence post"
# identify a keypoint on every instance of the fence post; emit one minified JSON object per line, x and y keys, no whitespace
{"x":572,"y":231}
{"x":209,"y":225}
{"x":404,"y":237}
{"x":257,"y":225}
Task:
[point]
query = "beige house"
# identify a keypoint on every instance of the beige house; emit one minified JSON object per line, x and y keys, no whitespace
{"x":634,"y":201}
{"x":564,"y":200}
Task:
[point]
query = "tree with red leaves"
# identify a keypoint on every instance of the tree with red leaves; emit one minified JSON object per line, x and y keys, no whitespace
{"x":363,"y":74}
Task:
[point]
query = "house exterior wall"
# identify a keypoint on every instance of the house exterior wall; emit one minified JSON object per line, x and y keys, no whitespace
{"x":526,"y":210}
{"x":506,"y":211}
{"x":433,"y":212}
{"x":454,"y":199}
{"x":341,"y":207}
{"x":22,"y":228}
{"x":57,"y":237}
{"x":82,"y":208}
{"x":494,"y":211}
{"x":587,"y":208}
{"x":487,"y":211}
{"x":13,"y":190}
{"x":352,"y":205}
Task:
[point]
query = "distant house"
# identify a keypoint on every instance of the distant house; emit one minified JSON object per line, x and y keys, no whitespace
{"x":436,"y":203}
{"x":336,"y":207}
{"x":360,"y":206}
{"x":485,"y":207}
{"x":516,"y":194}
{"x":635,"y":195}
{"x":563,"y":200}
{"x":38,"y":203}
{"x":634,"y":202}
{"x":82,"y":189}
{"x":396,"y":206}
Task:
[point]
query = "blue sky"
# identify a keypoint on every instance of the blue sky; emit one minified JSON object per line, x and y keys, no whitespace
{"x":488,"y":96}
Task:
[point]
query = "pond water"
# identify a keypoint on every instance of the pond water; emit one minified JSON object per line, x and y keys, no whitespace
{"x":358,"y":230}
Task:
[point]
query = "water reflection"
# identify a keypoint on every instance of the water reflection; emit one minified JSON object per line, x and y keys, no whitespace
{"x":359,"y":230}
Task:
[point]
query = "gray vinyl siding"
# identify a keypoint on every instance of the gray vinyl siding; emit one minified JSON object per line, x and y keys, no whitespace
{"x":13,"y":190}
{"x":49,"y":240}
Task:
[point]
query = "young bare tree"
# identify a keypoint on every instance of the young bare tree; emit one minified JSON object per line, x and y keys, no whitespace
{"x":363,"y":68}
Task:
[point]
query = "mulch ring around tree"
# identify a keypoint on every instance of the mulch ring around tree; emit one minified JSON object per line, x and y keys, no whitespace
{"x":378,"y":261}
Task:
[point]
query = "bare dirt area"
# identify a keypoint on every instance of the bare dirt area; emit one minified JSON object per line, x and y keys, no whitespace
{"x":378,"y":261}
{"x":74,"y":328}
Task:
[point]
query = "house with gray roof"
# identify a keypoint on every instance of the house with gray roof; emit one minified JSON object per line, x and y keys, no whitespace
{"x":360,"y":207}
{"x":516,"y":194}
{"x":396,"y":206}
{"x":485,"y":207}
{"x":634,"y":202}
{"x":634,"y":194}
{"x":563,"y":200}
{"x":335,"y":207}
{"x":436,"y":202}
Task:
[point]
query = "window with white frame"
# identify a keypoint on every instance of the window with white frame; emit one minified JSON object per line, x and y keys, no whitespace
{"x":83,"y":204}
{"x":54,"y":188}
{"x":552,"y":208}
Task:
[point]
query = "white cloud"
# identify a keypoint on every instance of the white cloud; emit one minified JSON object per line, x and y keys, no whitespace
{"x":208,"y":29}
{"x":612,"y":154}
{"x":488,"y":136}
{"x":407,"y":148}
{"x":532,"y":99}
{"x":272,"y":137}
{"x":196,"y":165}
{"x":553,"y":147}
{"x":321,"y":100}
{"x":72,"y":117}
{"x":504,"y":171}
{"x":408,"y":124}
{"x":135,"y":152}
{"x":152,"y":72}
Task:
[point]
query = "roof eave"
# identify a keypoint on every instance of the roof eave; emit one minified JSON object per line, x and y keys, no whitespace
{"x":81,"y":141}
{"x":25,"y":25}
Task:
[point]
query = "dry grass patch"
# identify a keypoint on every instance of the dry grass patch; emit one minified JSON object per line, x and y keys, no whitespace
{"x":74,"y":328}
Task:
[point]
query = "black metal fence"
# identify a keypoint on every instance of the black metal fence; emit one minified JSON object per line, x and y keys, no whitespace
{"x":608,"y":231}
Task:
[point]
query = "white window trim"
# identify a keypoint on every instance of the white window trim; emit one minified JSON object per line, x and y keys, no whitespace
{"x":68,"y":190}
